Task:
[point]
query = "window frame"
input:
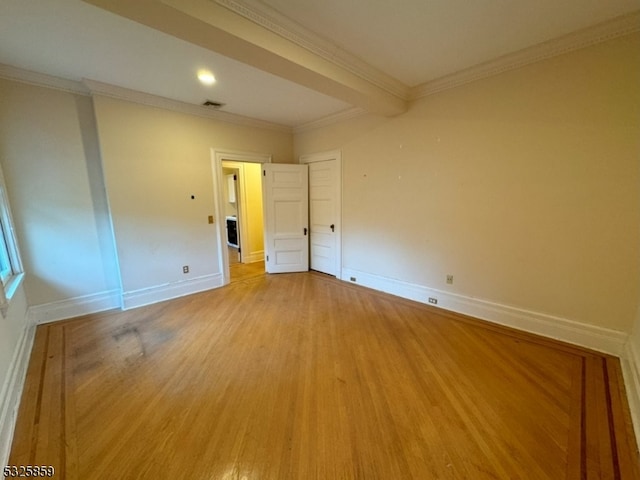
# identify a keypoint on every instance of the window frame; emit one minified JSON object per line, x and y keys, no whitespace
{"x":11,"y":275}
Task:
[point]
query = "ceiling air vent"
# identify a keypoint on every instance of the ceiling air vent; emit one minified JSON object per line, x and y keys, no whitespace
{"x":212,"y":104}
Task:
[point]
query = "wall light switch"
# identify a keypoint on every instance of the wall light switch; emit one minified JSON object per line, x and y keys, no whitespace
{"x":210,"y":218}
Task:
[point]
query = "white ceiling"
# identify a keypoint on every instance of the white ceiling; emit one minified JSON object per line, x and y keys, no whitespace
{"x":74,"y":40}
{"x":413,"y":41}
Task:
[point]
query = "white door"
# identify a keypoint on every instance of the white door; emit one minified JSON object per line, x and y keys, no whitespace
{"x":286,"y":217}
{"x":323,"y":214}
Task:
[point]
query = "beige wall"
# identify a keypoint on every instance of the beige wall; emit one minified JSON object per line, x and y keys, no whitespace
{"x":524,"y":186}
{"x":255,"y":224}
{"x":154,"y":161}
{"x":51,"y":162}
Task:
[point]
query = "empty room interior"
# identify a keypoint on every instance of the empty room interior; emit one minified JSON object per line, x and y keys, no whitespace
{"x":287,"y":239}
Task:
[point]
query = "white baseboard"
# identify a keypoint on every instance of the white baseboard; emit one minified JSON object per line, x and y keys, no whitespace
{"x":253,"y":257}
{"x":631,"y":373}
{"x":596,"y":338}
{"x":74,"y":307}
{"x":160,"y":293}
{"x":12,"y":391}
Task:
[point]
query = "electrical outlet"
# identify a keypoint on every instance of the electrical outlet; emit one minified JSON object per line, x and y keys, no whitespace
{"x":185,"y":269}
{"x":433,"y":300}
{"x":450,"y":279}
{"x":353,"y":279}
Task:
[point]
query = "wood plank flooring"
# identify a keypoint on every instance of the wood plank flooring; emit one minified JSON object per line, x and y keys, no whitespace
{"x":299,"y":376}
{"x":245,"y":271}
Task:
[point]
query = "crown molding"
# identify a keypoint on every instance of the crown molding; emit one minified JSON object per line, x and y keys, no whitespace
{"x":330,"y":120}
{"x":92,"y":87}
{"x":120,"y":93}
{"x":618,"y":27}
{"x":42,"y":80}
{"x":272,"y":20}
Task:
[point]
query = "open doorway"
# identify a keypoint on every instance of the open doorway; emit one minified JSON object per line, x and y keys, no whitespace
{"x":231,"y":200}
{"x":243,"y":218}
{"x":238,"y":176}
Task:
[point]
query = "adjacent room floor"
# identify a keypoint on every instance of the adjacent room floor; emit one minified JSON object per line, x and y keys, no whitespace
{"x":242,"y":271}
{"x":300,"y":376}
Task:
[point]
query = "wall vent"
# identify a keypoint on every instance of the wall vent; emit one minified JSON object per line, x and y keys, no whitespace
{"x":212,"y":104}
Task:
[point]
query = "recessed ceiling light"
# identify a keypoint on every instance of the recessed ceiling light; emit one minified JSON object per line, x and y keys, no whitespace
{"x":206,"y":77}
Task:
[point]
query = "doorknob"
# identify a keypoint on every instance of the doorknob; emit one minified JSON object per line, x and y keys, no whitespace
{"x":333,"y":227}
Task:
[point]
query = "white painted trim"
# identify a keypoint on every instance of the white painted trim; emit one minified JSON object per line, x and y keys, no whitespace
{"x":217,"y":156}
{"x":42,"y":80}
{"x":253,"y":257}
{"x":618,"y":27}
{"x":160,"y":293}
{"x":93,"y":87}
{"x":596,"y":338}
{"x":337,"y":156}
{"x":11,"y":392}
{"x":354,"y":112}
{"x":120,"y":93}
{"x":631,"y":373}
{"x":240,"y":156}
{"x":321,"y":156}
{"x":74,"y":307}
{"x":272,"y":20}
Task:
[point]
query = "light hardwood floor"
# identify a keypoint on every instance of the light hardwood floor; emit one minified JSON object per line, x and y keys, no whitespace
{"x":246,"y":271}
{"x":299,"y":376}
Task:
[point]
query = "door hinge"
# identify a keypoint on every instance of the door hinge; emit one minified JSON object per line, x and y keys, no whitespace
{"x":267,"y":258}
{"x":235,"y":178}
{"x":264,"y":173}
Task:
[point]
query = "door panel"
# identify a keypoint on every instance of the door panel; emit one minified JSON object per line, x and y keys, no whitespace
{"x":287,"y":216}
{"x":286,"y":209}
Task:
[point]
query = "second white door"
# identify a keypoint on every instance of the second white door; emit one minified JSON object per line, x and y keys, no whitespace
{"x":323,"y":214}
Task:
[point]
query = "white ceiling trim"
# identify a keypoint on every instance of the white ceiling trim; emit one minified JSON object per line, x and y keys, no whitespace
{"x":330,"y":120}
{"x":120,"y":93}
{"x":272,"y":20}
{"x":618,"y":27}
{"x":279,"y":24}
{"x":42,"y":80}
{"x":92,"y":87}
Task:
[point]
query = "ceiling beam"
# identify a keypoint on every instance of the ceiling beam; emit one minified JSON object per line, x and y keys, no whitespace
{"x":214,"y":27}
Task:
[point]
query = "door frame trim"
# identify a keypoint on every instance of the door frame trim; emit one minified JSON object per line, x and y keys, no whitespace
{"x":217,"y":156}
{"x":321,"y":157}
